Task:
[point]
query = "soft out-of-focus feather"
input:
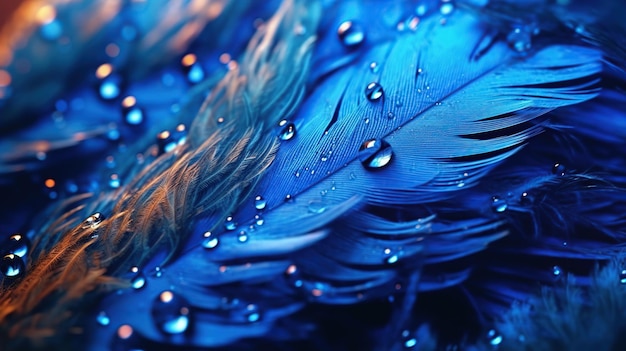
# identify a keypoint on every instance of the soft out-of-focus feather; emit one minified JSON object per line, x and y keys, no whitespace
{"x":211,"y":174}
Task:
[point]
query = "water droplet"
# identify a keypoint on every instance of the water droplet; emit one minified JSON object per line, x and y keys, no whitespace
{"x":12,"y":266}
{"x":229,"y":223}
{"x":17,"y":244}
{"x":51,"y":30}
{"x":242,"y":237}
{"x":374,"y":67}
{"x":421,"y":10}
{"x":556,"y":271}
{"x":526,"y":199}
{"x":93,"y":221}
{"x":350,"y":34}
{"x":288,"y":130}
{"x":288,"y":198}
{"x":498,"y":205}
{"x":375,"y":153}
{"x":114,"y":181}
{"x":110,"y":87}
{"x":410,"y":343}
{"x":374,"y":91}
{"x":192,"y":68}
{"x":138,"y":280}
{"x":366,"y":120}
{"x":446,"y":8}
{"x":259,"y":202}
{"x":210,"y":243}
{"x":519,"y":40}
{"x":392,"y":259}
{"x":252,"y":313}
{"x":317,"y":207}
{"x":622,"y":276}
{"x":259,"y":219}
{"x":559,"y":169}
{"x":171,"y":313}
{"x":103,"y":319}
{"x":494,"y":337}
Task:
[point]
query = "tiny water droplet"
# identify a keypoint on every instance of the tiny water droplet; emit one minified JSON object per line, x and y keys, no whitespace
{"x":350,"y":34}
{"x":375,"y":153}
{"x":421,"y":10}
{"x":288,"y":130}
{"x":622,"y":276}
{"x":110,"y":87}
{"x":252,"y":313}
{"x":494,"y":337}
{"x":52,"y":30}
{"x":559,"y":169}
{"x":259,"y":202}
{"x":317,"y":207}
{"x":12,"y":266}
{"x":392,"y":259}
{"x":139,"y":280}
{"x":17,"y":244}
{"x":526,"y":199}
{"x":366,"y":120}
{"x":556,"y":271}
{"x":210,"y":243}
{"x":258,"y":219}
{"x":103,"y":319}
{"x":229,"y":223}
{"x":446,"y":8}
{"x":288,"y":198}
{"x":133,"y":116}
{"x":374,"y":91}
{"x":374,"y":67}
{"x":93,"y":221}
{"x":242,"y":237}
{"x":114,"y":181}
{"x":498,"y":204}
{"x":410,"y":343}
{"x":519,"y":39}
{"x":171,"y":313}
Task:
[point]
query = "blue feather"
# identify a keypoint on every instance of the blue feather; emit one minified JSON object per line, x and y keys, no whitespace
{"x":404,"y":155}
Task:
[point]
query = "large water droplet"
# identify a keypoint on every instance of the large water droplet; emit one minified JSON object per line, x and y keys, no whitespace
{"x":375,"y":153}
{"x":494,"y":337}
{"x":171,"y":313}
{"x":259,"y":202}
{"x":519,"y":39}
{"x":17,"y":244}
{"x":288,"y":130}
{"x":12,"y":266}
{"x":103,"y":319}
{"x":374,"y":91}
{"x":498,"y":204}
{"x":229,"y":223}
{"x":350,"y":34}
